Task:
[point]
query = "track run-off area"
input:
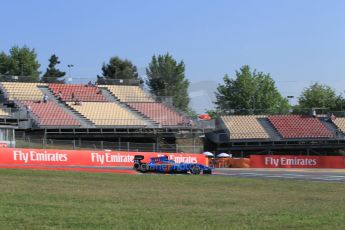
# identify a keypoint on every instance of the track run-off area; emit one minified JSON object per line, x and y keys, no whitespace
{"x":327,"y":175}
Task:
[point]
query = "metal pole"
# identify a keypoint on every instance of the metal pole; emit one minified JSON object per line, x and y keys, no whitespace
{"x":193,"y":144}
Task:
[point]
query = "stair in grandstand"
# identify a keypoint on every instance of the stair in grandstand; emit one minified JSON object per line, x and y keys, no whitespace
{"x":110,"y":97}
{"x":272,"y":132}
{"x":26,"y":120}
{"x":331,"y":127}
{"x":84,"y":122}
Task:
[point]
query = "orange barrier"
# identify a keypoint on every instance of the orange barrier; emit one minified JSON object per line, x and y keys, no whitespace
{"x":230,"y":162}
{"x":50,"y":157}
{"x":270,"y":161}
{"x":77,"y":169}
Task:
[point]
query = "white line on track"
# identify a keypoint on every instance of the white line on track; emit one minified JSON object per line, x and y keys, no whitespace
{"x":299,"y":176}
{"x":250,"y":174}
{"x":326,"y":179}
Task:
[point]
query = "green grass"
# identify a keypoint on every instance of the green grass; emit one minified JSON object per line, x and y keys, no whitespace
{"x":73,"y":200}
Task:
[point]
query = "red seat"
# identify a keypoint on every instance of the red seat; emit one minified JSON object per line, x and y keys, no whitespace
{"x":80,"y":92}
{"x":50,"y":114}
{"x":158,"y":112}
{"x":298,"y":126}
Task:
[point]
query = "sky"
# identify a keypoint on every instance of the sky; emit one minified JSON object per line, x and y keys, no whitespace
{"x":299,"y":42}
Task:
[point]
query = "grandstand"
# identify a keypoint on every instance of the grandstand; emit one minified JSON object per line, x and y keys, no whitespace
{"x":298,"y":126}
{"x":106,"y":113}
{"x":125,"y":115}
{"x":268,"y":134}
{"x":340,"y":123}
{"x":158,"y":112}
{"x":22,"y":91}
{"x":245,"y":127}
{"x":44,"y":112}
{"x":128,"y":93}
{"x":79,"y":92}
{"x":4,"y":113}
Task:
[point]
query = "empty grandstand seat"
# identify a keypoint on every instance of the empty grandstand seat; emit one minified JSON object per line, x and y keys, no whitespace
{"x":128,"y":93}
{"x":23,"y":91}
{"x":106,"y":114}
{"x":4,"y":113}
{"x":299,"y":126}
{"x":80,"y":92}
{"x":340,"y":123}
{"x":245,"y":127}
{"x":50,"y":114}
{"x":158,"y":112}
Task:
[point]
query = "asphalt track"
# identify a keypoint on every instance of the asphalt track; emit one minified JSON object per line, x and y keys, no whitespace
{"x":327,"y":175}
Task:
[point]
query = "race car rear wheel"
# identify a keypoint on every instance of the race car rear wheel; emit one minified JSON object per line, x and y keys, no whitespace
{"x":195,"y":169}
{"x":136,"y":166}
{"x":143,"y":168}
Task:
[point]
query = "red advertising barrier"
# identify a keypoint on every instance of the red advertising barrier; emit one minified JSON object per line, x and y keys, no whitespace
{"x":269,"y":161}
{"x":51,"y":157}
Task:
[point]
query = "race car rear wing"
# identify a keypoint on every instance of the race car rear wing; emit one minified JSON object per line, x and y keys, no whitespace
{"x":138,"y":158}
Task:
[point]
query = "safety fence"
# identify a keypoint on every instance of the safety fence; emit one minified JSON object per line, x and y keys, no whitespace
{"x":105,"y":145}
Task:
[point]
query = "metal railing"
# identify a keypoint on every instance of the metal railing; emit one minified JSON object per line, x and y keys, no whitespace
{"x":105,"y":145}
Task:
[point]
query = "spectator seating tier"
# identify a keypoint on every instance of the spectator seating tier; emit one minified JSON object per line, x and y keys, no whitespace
{"x":158,"y":112}
{"x":298,"y":126}
{"x":245,"y":127}
{"x":340,"y":123}
{"x":23,"y":91}
{"x":81,"y":92}
{"x":106,"y":113}
{"x":4,"y":113}
{"x":128,"y":93}
{"x":50,"y":114}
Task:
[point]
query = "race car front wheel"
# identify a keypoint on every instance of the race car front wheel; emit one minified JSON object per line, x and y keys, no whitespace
{"x":195,"y":169}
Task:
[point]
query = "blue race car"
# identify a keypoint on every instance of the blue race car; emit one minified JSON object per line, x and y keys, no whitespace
{"x":164,"y":165}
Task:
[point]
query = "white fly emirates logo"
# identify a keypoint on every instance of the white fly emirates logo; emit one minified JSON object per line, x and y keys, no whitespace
{"x":182,"y":159}
{"x":103,"y":158}
{"x":295,"y":161}
{"x":33,"y":156}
